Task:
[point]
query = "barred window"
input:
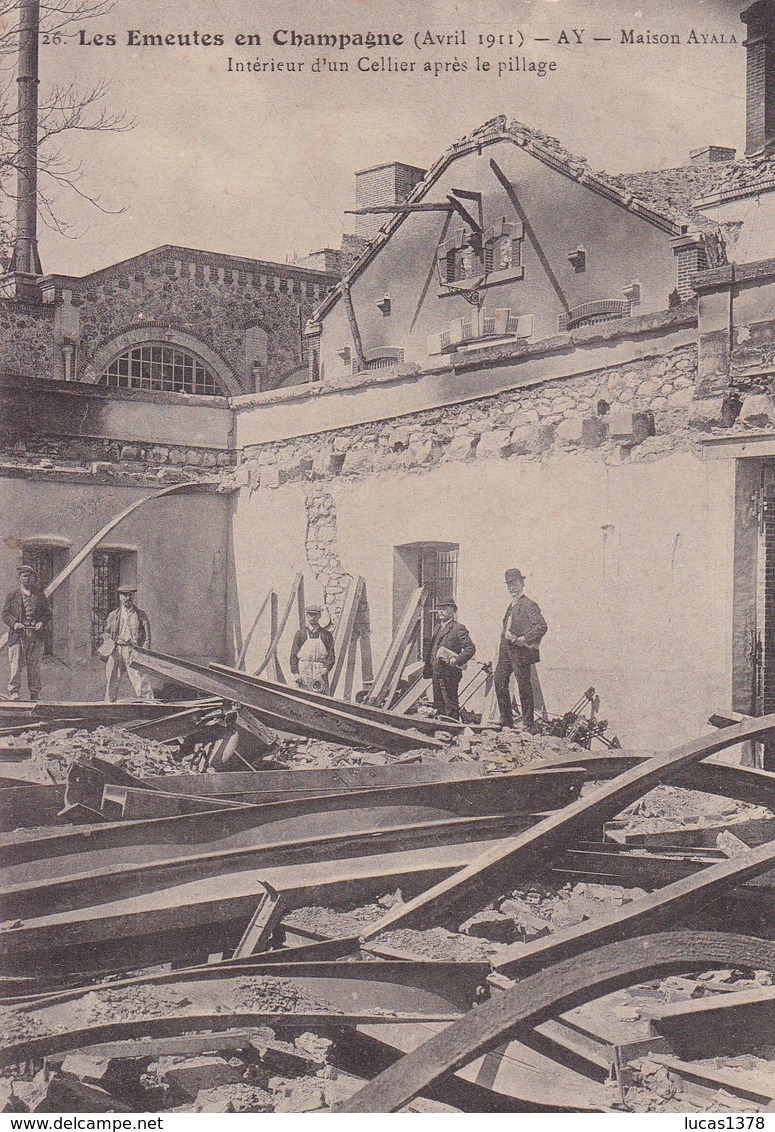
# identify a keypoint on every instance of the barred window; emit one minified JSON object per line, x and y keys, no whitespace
{"x":157,"y":368}
{"x":112,"y":568}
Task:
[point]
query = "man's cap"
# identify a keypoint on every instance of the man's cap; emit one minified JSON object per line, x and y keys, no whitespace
{"x":24,"y":569}
{"x":446,"y":603}
{"x":127,"y":589}
{"x":314,"y":609}
{"x":514,"y":576}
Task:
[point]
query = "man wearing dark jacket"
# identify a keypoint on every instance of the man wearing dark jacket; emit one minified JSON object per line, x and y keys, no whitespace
{"x":523,"y":629}
{"x":126,"y":628}
{"x":26,"y":613}
{"x":450,"y":648}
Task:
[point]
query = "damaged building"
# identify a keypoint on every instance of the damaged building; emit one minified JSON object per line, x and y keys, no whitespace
{"x":531,"y":363}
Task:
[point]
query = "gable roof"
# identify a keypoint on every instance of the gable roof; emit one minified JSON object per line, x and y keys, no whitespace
{"x":664,"y":204}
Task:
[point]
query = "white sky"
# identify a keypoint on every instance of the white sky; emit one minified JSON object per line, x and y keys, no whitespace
{"x":262,"y":165}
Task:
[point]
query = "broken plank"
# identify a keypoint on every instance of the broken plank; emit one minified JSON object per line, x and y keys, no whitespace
{"x":647,"y":914}
{"x":346,"y":628}
{"x":754,"y":831}
{"x":243,"y":652}
{"x":473,"y":887}
{"x":277,"y":708}
{"x":738,"y":1022}
{"x":201,"y":916}
{"x":278,"y":629}
{"x":292,"y":783}
{"x":516,"y":793}
{"x":396,"y":650}
{"x":362,"y":711}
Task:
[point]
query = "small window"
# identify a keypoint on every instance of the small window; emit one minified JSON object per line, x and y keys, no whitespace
{"x":47,"y":561}
{"x":112,"y":568}
{"x":161,"y":369}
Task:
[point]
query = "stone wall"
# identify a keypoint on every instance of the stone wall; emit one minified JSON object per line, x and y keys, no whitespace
{"x":26,"y":341}
{"x":628,"y":412}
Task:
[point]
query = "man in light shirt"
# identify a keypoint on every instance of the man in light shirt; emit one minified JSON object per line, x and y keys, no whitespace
{"x":126,"y":628}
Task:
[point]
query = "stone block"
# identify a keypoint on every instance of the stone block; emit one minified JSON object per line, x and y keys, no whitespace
{"x":461,"y":447}
{"x":492,"y":925}
{"x":342,"y":443}
{"x":530,"y":439}
{"x":628,"y":427}
{"x":525,"y":417}
{"x":193,"y":457}
{"x":593,"y":432}
{"x":209,"y":460}
{"x":706,"y":413}
{"x":570,"y":431}
{"x":758,"y":411}
{"x":223,"y":459}
{"x":129,"y":452}
{"x":242,"y":474}
{"x":421,"y":452}
{"x":398,"y":439}
{"x":357,"y":461}
{"x":197,"y":1073}
{"x":270,"y":476}
{"x":496,"y":442}
{"x":681,"y":399}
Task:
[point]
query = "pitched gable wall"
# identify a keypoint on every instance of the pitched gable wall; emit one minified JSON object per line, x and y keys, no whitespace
{"x":559,"y":214}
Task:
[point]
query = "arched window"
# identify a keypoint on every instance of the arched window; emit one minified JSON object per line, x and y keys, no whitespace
{"x":159,"y":368}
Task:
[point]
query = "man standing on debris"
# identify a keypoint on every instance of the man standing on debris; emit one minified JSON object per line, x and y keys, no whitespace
{"x":126,"y":628}
{"x":312,"y":653}
{"x":523,"y":629}
{"x":26,"y":613}
{"x":448,"y":651}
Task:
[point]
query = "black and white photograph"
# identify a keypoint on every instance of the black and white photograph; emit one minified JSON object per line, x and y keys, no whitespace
{"x":387,"y":553}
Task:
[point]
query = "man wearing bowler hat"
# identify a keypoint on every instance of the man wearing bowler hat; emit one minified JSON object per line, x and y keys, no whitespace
{"x":26,"y":612}
{"x":126,"y":628}
{"x":448,"y":651}
{"x":523,"y":629}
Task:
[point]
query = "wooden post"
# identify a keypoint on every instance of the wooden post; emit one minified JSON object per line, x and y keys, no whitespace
{"x":345,"y":629}
{"x":396,"y":651}
{"x":296,"y":596}
{"x":246,"y":643}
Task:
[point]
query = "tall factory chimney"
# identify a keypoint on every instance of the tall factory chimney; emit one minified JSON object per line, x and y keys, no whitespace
{"x":25,"y":260}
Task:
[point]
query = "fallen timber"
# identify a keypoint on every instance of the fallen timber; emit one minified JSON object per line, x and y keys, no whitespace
{"x":521,"y":792}
{"x":732,"y":1023}
{"x":361,"y":711}
{"x":277,"y":707}
{"x":200,"y":917}
{"x":33,"y":805}
{"x":93,"y":713}
{"x":85,"y":884}
{"x":468,"y":890}
{"x":547,"y":993}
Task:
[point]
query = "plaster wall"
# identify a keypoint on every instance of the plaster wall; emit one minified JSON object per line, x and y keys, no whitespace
{"x":631,"y":564}
{"x":182,"y":566}
{"x":559,"y":215}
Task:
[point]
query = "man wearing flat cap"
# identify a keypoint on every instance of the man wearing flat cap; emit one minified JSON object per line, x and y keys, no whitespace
{"x":312,"y":652}
{"x":448,"y":651}
{"x":26,"y":612}
{"x":523,"y":629}
{"x":126,"y":629}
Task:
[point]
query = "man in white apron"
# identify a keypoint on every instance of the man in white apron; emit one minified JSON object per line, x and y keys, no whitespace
{"x":312,"y":653}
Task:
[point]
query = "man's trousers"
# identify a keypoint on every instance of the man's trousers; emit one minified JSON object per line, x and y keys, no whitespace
{"x":28,"y":653}
{"x":519,"y":661}
{"x":120,"y":662}
{"x":446,"y":681}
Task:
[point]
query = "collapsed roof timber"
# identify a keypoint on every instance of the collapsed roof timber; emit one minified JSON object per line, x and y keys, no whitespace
{"x":514,"y":361}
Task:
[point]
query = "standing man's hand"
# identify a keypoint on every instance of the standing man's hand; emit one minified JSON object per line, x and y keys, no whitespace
{"x":38,"y":626}
{"x":521,"y":641}
{"x":18,"y":627}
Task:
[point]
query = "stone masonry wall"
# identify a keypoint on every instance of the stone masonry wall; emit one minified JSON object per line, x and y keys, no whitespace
{"x":211,"y":301}
{"x":628,"y":412}
{"x":26,"y":341}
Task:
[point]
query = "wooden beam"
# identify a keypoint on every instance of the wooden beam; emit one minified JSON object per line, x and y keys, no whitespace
{"x":472,"y":887}
{"x":277,"y":632}
{"x":345,"y":629}
{"x":738,"y":1022}
{"x":548,"y":993}
{"x":405,"y":628}
{"x":240,"y":662}
{"x":280,"y":708}
{"x":362,"y":711}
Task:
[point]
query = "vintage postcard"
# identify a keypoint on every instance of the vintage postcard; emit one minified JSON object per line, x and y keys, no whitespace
{"x":387,"y":496}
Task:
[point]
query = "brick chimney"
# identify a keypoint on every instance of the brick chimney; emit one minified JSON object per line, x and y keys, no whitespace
{"x":760,"y":77}
{"x":382,"y":184}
